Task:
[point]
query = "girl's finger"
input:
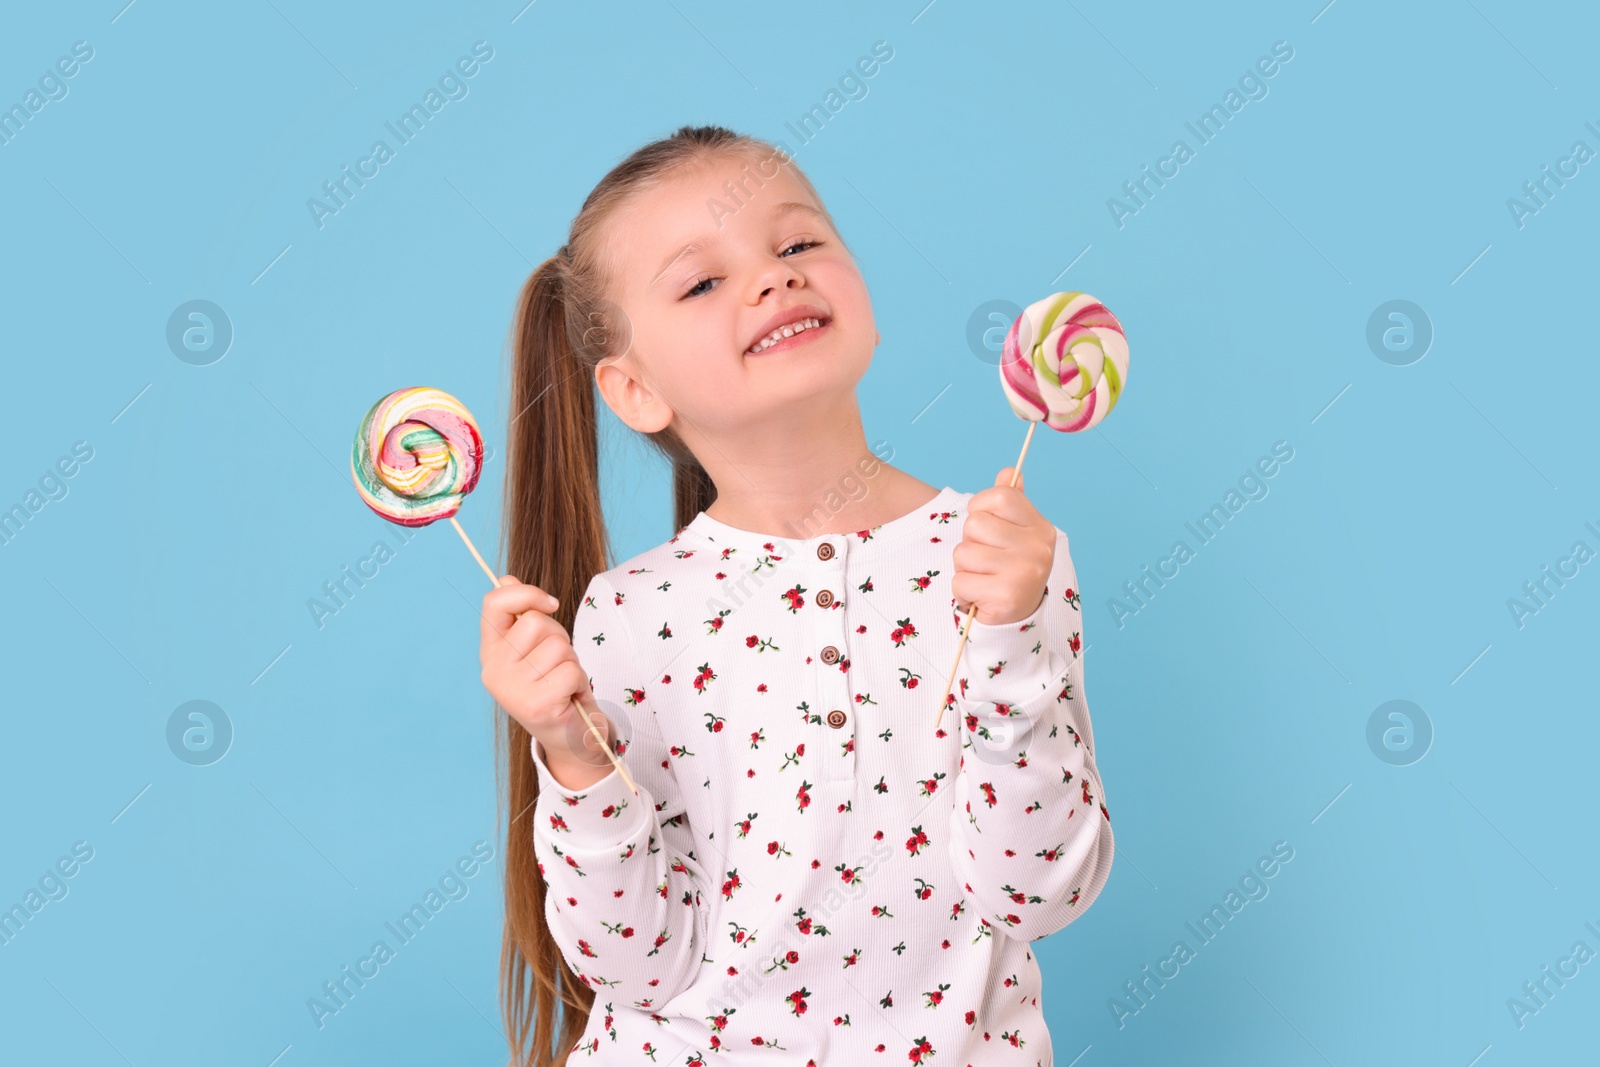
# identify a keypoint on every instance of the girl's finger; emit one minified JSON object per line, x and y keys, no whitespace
{"x":1003,"y":502}
{"x":505,"y":603}
{"x":549,"y":650}
{"x":531,"y":630}
{"x":993,"y":531}
{"x":976,"y":557}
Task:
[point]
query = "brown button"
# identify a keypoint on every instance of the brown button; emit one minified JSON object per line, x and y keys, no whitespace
{"x":836,"y":718}
{"x":824,"y":551}
{"x":830,"y":655}
{"x":824,"y":598}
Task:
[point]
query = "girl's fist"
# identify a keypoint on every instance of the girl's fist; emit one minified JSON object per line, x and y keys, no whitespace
{"x":1004,"y":558}
{"x":531,"y":668}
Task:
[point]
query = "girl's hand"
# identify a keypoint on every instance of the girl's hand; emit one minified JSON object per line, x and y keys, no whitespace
{"x":1007,"y":549}
{"x":530,"y":667}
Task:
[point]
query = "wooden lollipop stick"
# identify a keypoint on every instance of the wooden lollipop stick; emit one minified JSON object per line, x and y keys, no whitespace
{"x":944,"y":695}
{"x":584,"y":715}
{"x":474,"y":550}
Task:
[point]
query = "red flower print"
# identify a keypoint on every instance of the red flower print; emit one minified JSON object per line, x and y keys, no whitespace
{"x":705,"y":676}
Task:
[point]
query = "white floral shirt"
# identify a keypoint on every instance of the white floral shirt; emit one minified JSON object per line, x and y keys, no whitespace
{"x":811,"y":872}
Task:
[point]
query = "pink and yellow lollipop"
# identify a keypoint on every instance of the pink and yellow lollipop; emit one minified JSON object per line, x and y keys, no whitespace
{"x":1064,"y":363}
{"x":417,"y":454}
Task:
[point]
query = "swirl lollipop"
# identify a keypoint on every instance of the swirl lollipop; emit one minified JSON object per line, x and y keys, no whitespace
{"x":417,"y":455}
{"x":1064,"y":363}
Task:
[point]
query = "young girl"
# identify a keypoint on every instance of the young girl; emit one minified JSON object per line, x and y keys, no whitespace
{"x":810,"y":871}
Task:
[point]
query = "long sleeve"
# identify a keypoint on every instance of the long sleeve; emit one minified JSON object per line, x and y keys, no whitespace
{"x":623,"y":886}
{"x":1031,"y":835}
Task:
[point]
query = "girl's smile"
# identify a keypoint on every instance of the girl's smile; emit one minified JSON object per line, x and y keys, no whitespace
{"x":790,"y":328}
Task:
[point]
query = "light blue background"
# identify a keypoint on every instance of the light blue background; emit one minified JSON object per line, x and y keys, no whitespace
{"x":1229,"y":713}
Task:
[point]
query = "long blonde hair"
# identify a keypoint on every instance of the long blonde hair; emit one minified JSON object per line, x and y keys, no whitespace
{"x":553,"y":535}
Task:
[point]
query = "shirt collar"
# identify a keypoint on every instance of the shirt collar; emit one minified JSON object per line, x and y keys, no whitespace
{"x":919,"y":524}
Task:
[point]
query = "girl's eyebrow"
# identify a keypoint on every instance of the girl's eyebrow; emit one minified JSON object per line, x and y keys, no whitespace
{"x":700,"y":243}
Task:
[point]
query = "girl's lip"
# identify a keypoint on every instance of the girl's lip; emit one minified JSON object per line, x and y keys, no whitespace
{"x":790,"y":342}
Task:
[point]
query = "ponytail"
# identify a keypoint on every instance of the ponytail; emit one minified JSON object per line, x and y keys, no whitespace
{"x":553,"y":535}
{"x":555,"y":538}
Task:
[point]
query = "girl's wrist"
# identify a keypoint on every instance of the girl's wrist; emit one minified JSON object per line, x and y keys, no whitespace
{"x":575,"y":774}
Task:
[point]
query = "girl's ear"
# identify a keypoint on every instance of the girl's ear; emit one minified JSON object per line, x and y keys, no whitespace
{"x":629,"y":399}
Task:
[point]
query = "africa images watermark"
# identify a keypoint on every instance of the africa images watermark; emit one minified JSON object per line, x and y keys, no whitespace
{"x":733,"y":592}
{"x":342,"y":590}
{"x":852,"y":86}
{"x":1538,"y":993}
{"x":52,"y":88}
{"x":453,"y":886}
{"x":1253,"y":888}
{"x":1539,"y":190}
{"x":52,"y":487}
{"x":452,"y":85}
{"x":1538,"y":590}
{"x":1252,"y":486}
{"x":52,"y":886}
{"x":1211,"y":123}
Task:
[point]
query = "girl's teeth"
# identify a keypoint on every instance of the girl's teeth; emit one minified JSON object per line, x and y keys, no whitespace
{"x":785,"y":332}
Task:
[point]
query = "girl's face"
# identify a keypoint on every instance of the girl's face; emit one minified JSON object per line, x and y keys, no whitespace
{"x":704,"y":276}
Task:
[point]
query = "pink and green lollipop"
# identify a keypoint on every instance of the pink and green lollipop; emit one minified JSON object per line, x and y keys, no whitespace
{"x":1064,"y":363}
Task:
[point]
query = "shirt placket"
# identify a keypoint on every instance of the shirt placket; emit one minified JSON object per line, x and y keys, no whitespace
{"x":829,"y":648}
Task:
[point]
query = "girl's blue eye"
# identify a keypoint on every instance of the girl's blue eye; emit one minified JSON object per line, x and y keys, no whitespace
{"x":695,"y":290}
